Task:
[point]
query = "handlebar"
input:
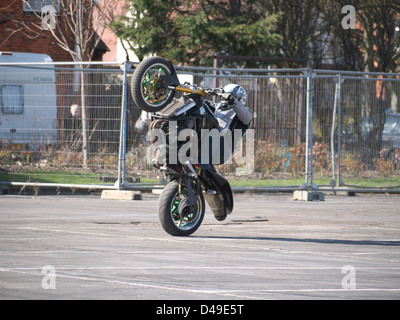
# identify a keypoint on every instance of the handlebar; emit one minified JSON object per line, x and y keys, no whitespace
{"x":228,"y":98}
{"x":225,"y":96}
{"x":188,"y":90}
{"x":203,"y":92}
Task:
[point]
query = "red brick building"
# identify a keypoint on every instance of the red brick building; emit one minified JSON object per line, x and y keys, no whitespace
{"x":14,"y":37}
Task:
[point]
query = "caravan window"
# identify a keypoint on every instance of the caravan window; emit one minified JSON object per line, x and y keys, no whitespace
{"x":37,"y":5}
{"x":12,"y":99}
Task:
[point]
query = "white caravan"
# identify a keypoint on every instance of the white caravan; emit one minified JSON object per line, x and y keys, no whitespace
{"x":28,"y":100}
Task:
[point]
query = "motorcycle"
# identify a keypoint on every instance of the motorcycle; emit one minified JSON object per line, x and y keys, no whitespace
{"x":181,"y":207}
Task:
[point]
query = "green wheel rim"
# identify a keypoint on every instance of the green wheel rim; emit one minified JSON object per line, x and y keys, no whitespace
{"x":154,"y":91}
{"x":187,"y":222}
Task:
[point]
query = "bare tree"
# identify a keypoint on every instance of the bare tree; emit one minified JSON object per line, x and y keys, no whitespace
{"x":76,"y":26}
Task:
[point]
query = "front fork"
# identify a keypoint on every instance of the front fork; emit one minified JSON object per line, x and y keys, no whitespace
{"x":189,"y":178}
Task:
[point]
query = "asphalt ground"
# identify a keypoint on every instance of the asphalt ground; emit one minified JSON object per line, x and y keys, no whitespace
{"x":270,"y":247}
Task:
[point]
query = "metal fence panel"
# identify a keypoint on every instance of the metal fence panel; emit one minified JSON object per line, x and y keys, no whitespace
{"x":41,"y":124}
{"x":357,"y":130}
{"x":311,"y":127}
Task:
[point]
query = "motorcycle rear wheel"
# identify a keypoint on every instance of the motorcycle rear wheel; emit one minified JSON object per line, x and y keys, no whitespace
{"x":168,"y":210}
{"x":149,"y":92}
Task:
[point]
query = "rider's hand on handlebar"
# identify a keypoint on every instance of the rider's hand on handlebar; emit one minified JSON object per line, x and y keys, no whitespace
{"x":228,"y":97}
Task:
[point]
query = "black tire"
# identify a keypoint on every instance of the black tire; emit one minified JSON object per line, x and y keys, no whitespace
{"x":147,"y":68}
{"x":169,"y":220}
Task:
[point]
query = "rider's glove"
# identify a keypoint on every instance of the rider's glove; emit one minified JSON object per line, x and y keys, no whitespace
{"x":228,"y":97}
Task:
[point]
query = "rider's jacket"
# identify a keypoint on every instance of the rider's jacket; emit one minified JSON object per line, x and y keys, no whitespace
{"x":226,"y":116}
{"x":237,"y":116}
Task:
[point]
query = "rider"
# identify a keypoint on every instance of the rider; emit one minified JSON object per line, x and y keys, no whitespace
{"x":233,"y":104}
{"x":232,"y":113}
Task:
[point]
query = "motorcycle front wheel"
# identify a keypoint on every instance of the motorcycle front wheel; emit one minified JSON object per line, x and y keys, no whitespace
{"x":171,"y":210}
{"x":149,"y":92}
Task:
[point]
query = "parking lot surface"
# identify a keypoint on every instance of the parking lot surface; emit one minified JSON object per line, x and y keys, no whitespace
{"x":270,"y":247}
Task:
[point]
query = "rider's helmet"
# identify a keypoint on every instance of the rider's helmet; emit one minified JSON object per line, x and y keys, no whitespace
{"x":237,"y":91}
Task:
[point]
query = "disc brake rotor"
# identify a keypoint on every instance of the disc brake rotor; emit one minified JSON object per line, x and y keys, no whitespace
{"x":186,"y":212}
{"x":152,"y":87}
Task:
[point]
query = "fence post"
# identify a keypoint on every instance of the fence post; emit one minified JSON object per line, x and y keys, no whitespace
{"x":122,"y":136}
{"x":305,"y":193}
{"x":309,"y":133}
{"x":337,"y":108}
{"x":335,"y":104}
{"x":339,"y":143}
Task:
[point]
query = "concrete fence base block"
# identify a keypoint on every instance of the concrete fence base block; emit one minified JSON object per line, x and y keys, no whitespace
{"x":157,"y":191}
{"x":121,"y":195}
{"x":302,"y":195}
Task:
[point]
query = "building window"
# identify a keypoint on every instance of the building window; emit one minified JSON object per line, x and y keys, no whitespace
{"x":12,"y":99}
{"x":37,"y":5}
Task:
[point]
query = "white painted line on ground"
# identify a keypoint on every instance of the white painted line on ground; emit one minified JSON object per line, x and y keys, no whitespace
{"x":242,"y":294}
